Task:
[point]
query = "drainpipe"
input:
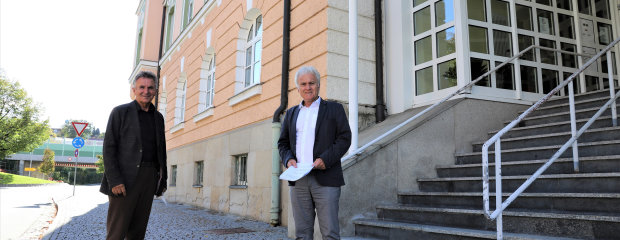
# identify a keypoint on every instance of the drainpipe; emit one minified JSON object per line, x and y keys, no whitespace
{"x":276,"y":125}
{"x":353,"y":107}
{"x":380,"y":109}
{"x":161,"y":43}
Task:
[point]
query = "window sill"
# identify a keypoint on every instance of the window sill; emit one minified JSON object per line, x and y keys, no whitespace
{"x":177,"y":127}
{"x":204,"y":114}
{"x":197,"y":186}
{"x":246,"y":93}
{"x":238,"y":186}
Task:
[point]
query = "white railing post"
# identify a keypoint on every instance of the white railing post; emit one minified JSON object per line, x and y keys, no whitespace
{"x":498,"y":188}
{"x":610,"y":73}
{"x":573,"y":125}
{"x":485,"y":180}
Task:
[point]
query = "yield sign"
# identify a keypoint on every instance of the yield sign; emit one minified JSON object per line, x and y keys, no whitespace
{"x":79,"y":127}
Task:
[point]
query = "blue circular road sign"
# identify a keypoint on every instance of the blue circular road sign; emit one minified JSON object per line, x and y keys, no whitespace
{"x":78,"y":142}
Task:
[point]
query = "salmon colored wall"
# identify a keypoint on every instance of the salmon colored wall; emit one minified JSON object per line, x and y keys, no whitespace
{"x":308,"y":47}
{"x":151,"y":30}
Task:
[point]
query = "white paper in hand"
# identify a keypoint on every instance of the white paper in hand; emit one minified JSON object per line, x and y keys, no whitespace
{"x":295,"y":173}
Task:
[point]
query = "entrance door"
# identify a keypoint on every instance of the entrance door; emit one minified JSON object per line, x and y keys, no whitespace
{"x":595,"y":31}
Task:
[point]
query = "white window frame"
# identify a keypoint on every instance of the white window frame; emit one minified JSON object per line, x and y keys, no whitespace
{"x":198,"y":173}
{"x":179,"y":111}
{"x":210,"y":83}
{"x":139,"y":35}
{"x":254,"y":38}
{"x":169,"y":27}
{"x":435,"y":61}
{"x":188,"y":12}
{"x":240,"y":173}
{"x":173,"y":175}
{"x":163,"y":96}
{"x":207,"y":88}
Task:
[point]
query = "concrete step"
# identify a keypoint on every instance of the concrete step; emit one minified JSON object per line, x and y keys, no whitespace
{"x":567,"y":202}
{"x":549,"y":139}
{"x":552,"y":183}
{"x":593,"y":164}
{"x":386,"y":229}
{"x":578,"y":97}
{"x":565,"y":107}
{"x":585,"y":226}
{"x":586,"y":149}
{"x":554,"y":127}
{"x":585,"y":113}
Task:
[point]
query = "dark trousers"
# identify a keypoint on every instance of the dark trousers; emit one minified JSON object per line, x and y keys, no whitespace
{"x":128,"y":216}
{"x":310,"y":199}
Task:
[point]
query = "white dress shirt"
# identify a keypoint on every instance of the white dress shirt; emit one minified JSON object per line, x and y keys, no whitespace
{"x":305,"y":128}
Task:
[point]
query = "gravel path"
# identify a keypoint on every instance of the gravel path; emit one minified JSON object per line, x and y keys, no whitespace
{"x":83,"y":217}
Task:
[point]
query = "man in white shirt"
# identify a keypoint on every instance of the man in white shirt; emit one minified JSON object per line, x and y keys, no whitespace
{"x":315,"y":132}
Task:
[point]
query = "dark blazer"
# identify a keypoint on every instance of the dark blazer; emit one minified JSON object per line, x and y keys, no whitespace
{"x":331,"y":142}
{"x":122,"y":148}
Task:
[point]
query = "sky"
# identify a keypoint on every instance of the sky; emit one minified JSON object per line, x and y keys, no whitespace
{"x":73,"y":57}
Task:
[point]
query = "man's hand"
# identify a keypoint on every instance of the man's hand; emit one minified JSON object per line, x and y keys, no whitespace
{"x":119,"y":189}
{"x":319,"y":164}
{"x":291,"y":162}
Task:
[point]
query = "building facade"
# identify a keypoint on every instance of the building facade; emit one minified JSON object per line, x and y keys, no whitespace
{"x":220,"y":68}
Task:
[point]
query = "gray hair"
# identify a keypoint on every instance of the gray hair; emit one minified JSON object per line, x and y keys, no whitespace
{"x":305,"y":70}
{"x":145,"y":74}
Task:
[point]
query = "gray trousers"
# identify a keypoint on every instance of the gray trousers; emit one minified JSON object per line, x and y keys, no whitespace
{"x":308,"y":195}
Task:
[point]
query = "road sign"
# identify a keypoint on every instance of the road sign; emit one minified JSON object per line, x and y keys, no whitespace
{"x":77,"y":152}
{"x":78,"y":142}
{"x":79,"y":127}
{"x":30,"y":169}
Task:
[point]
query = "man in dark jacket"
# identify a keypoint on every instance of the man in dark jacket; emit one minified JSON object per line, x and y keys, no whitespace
{"x":315,"y":132}
{"x":134,"y":156}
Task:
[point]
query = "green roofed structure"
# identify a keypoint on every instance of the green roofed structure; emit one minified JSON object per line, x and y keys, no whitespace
{"x":64,"y":154}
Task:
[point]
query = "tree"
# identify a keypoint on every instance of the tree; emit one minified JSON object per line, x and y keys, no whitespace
{"x":47,"y":167}
{"x":68,"y":131}
{"x":20,"y":128}
{"x":96,"y":132}
{"x":99,"y":164}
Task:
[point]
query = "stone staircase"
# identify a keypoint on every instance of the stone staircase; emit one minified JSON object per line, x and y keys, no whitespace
{"x":561,"y":204}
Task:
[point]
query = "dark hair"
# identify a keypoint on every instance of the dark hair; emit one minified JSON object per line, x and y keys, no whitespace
{"x":145,"y":74}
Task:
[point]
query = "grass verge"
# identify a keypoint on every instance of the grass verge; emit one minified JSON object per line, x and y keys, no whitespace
{"x":7,"y":178}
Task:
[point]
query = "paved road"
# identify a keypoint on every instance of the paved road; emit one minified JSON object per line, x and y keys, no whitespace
{"x":25,"y":211}
{"x":84,"y":216}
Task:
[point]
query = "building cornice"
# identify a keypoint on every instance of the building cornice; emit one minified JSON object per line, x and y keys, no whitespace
{"x":142,"y":63}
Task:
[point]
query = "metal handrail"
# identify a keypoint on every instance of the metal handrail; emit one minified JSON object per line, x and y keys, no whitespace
{"x":502,"y":205}
{"x":461,"y":90}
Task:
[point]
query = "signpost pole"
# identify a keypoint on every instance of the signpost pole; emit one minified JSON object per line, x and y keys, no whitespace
{"x":75,"y":174}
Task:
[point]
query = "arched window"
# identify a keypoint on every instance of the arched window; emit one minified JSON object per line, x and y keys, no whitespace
{"x":207,"y":82}
{"x":188,"y":14}
{"x":210,"y":83}
{"x":169,"y":27}
{"x":253,"y":51}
